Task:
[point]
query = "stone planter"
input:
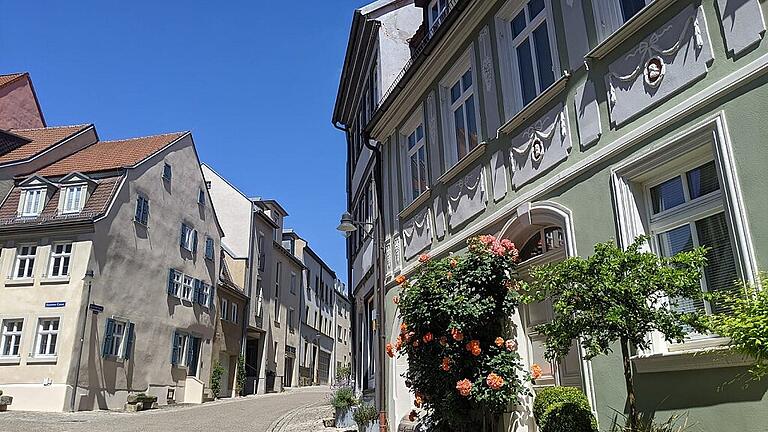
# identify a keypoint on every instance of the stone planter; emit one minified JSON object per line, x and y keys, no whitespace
{"x":5,"y":401}
{"x":344,"y":418}
{"x":140,"y":402}
{"x":370,"y":427}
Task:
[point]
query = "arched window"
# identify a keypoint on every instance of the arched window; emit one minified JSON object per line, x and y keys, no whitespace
{"x":541,"y":242}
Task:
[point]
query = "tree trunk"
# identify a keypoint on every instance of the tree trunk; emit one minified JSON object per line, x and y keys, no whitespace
{"x":633,"y":420}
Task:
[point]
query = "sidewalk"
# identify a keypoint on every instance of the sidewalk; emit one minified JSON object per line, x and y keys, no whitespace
{"x":307,"y":419}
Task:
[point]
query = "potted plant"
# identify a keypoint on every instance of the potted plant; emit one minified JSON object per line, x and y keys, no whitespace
{"x":343,"y":400}
{"x":365,"y":416}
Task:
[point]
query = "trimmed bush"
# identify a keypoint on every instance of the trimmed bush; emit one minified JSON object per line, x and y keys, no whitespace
{"x":563,"y":409}
{"x":365,"y":415}
{"x":343,"y":398}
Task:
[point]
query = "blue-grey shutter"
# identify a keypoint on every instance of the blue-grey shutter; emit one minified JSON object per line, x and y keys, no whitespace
{"x":211,"y":297}
{"x":145,"y":212}
{"x":198,"y":291}
{"x":109,"y":330}
{"x":183,"y":234}
{"x":194,"y":241}
{"x":171,"y":275}
{"x":175,"y":349}
{"x":139,"y":209}
{"x":129,"y":342}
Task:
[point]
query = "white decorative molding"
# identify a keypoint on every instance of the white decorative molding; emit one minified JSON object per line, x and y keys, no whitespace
{"x":540,"y":146}
{"x":499,"y":177}
{"x":388,"y":258}
{"x":743,"y":24}
{"x":466,"y":197}
{"x":486,"y":61}
{"x":417,"y":234}
{"x":439,"y":214}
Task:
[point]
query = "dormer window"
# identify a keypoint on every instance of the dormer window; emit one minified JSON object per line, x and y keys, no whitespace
{"x":33,"y":200}
{"x":74,"y":198}
{"x":436,"y":10}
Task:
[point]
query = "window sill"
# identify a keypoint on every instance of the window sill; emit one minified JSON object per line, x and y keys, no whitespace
{"x":462,"y":164}
{"x":547,"y":96}
{"x":10,"y":360}
{"x":690,"y":359}
{"x":19,"y":282}
{"x":413,"y":206}
{"x":54,"y":280}
{"x":630,"y":28}
{"x":42,"y":360}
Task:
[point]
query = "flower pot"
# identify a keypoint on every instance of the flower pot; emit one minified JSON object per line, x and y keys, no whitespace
{"x":370,"y":427}
{"x":344,"y":418}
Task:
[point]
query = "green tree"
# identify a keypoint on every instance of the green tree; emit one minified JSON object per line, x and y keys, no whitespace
{"x":618,"y":296}
{"x":241,"y":377}
{"x":745,"y":323}
{"x":216,"y":373}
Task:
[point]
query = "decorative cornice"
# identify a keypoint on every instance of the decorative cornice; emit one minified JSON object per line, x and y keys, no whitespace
{"x":462,"y":164}
{"x":412,"y":207}
{"x":535,"y":105}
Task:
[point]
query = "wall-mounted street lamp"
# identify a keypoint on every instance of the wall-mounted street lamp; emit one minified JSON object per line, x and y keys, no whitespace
{"x":347,"y":225}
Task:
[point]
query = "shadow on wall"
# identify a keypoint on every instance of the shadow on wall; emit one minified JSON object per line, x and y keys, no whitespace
{"x":678,"y":391}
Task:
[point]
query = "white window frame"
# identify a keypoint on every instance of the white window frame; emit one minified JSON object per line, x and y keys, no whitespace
{"x":224,"y":313}
{"x":189,"y":236}
{"x":28,"y":260}
{"x":64,"y":255}
{"x":187,"y":288}
{"x":409,"y":129}
{"x":464,"y":63}
{"x":209,"y":247}
{"x":35,"y":206}
{"x":138,"y":214}
{"x":12,"y":338}
{"x":709,"y":137}
{"x":205,"y":291}
{"x":181,"y":360}
{"x":442,"y":6}
{"x":234,"y":313}
{"x":118,"y":344}
{"x":41,"y":332}
{"x":178,"y":278}
{"x":609,"y":17}
{"x":74,"y":197}
{"x":506,"y":44}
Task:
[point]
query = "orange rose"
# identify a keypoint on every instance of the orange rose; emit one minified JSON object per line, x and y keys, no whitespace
{"x":457,"y":335}
{"x":536,"y":371}
{"x":396,"y":299}
{"x":403,"y":328}
{"x":494,"y":381}
{"x":400,"y":279}
{"x":499,"y":342}
{"x":412,"y":416}
{"x":428,"y":338}
{"x":454,"y":263}
{"x":390,"y":351}
{"x":424,"y":258}
{"x":449,"y":275}
{"x":464,"y":387}
{"x":418,"y":401}
{"x":446,"y":366}
{"x":399,"y":343}
{"x":474,"y":347}
{"x":511,"y":345}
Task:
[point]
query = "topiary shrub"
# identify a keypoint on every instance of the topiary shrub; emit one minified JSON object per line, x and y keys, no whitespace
{"x":343,"y":398}
{"x":365,"y":415}
{"x":563,"y":409}
{"x":216,"y":373}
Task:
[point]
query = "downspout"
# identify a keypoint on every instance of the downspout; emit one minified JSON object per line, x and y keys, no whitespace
{"x":89,"y":275}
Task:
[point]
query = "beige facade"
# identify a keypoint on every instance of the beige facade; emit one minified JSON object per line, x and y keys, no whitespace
{"x":232,"y":301}
{"x":131,"y":262}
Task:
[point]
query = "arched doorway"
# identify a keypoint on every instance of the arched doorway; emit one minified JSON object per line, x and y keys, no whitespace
{"x":544,"y":234}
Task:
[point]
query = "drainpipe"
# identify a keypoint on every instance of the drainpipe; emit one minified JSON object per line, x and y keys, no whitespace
{"x":89,"y":276}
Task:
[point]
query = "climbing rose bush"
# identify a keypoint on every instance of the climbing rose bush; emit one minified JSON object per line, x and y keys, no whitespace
{"x":456,"y":334}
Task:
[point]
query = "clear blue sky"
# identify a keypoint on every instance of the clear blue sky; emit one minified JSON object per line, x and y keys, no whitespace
{"x":255,"y":81}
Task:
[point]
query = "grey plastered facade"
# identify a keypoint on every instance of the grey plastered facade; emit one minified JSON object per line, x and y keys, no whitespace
{"x":677,"y":84}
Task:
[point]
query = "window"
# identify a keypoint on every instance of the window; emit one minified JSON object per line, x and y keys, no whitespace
{"x":25,"y":261}
{"x":47,"y":335}
{"x":436,"y":10}
{"x":224,"y":313}
{"x":11,"y":340}
{"x":208,"y":248}
{"x":142,"y":210}
{"x":187,"y":287}
{"x":174,"y":282}
{"x":188,"y":238}
{"x":33,"y":202}
{"x":262,"y":252}
{"x":527,"y":42}
{"x":167,"y":172}
{"x":553,"y":241}
{"x":611,"y":14}
{"x":204,"y":293}
{"x":291,"y":327}
{"x":118,"y":338}
{"x":278,"y":270}
{"x":293,"y":283}
{"x":185,"y":352}
{"x":685,"y":212}
{"x":306,"y":315}
{"x":416,"y":154}
{"x":338,"y":332}
{"x":74,"y":198}
{"x":201,"y":197}
{"x":460,"y":109}
{"x":234,"y":313}
{"x":60,"y":257}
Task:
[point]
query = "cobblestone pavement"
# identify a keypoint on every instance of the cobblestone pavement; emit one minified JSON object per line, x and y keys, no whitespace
{"x":253,"y":413}
{"x":305,"y":419}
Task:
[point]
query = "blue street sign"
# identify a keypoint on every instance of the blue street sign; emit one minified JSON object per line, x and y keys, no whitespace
{"x":55,"y":304}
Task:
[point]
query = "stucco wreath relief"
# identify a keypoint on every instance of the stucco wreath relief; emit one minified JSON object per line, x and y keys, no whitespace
{"x":539,"y":138}
{"x":650,"y":58}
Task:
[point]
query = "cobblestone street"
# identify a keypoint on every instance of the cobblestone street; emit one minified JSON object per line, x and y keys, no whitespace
{"x":294,"y":411}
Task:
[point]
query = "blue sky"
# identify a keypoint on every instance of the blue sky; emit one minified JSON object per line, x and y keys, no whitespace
{"x":254,"y":81}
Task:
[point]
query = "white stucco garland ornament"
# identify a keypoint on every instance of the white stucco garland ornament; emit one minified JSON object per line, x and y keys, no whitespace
{"x":464,"y":186}
{"x":651,"y":63}
{"x":420,"y":226}
{"x":537,"y":136}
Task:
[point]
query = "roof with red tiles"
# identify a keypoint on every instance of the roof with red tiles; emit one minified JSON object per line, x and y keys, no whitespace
{"x":97,"y":204}
{"x":111,"y":155}
{"x":41,"y":139}
{"x":9,"y":78}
